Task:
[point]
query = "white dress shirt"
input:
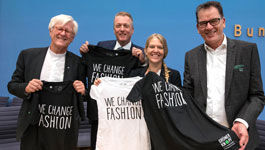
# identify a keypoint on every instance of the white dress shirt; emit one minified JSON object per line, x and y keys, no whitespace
{"x":53,"y":67}
{"x":216,"y":68}
{"x":127,"y":46}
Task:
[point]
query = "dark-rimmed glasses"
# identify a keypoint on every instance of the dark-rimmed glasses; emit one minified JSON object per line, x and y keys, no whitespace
{"x":213,"y":22}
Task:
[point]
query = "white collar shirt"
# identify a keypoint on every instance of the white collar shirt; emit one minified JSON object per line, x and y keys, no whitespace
{"x":127,"y":46}
{"x":216,"y":68}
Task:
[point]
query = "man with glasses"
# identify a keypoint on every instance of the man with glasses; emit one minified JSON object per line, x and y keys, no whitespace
{"x":51,"y":64}
{"x":223,"y":75}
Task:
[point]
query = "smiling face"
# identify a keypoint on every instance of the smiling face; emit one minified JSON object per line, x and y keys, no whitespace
{"x":123,"y":29}
{"x":155,"y":51}
{"x":61,"y":37}
{"x":212,"y":35}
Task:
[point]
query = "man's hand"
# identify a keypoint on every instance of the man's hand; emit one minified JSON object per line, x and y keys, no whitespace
{"x":242,"y":133}
{"x":84,"y":48}
{"x":97,"y":81}
{"x":79,"y":87}
{"x":138,"y":53}
{"x":33,"y":86}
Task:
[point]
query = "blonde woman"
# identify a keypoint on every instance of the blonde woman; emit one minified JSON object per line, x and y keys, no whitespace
{"x":156,"y":51}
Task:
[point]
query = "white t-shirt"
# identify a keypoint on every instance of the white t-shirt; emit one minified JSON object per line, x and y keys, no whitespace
{"x":53,"y":67}
{"x":121,"y":124}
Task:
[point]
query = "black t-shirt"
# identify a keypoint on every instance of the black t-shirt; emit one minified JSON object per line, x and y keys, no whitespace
{"x":58,"y":124}
{"x":175,"y":121}
{"x":101,"y":62}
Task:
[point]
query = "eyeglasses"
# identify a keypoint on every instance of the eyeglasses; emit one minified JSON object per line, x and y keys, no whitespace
{"x":61,"y":29}
{"x":212,"y":22}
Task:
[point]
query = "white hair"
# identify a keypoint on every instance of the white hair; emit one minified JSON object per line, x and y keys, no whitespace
{"x":63,"y":19}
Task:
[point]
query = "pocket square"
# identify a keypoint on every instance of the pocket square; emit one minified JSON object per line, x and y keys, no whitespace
{"x":239,"y":67}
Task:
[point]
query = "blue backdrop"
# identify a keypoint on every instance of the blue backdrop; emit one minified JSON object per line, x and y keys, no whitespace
{"x":24,"y":24}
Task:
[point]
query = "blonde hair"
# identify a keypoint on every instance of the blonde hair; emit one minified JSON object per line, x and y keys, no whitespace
{"x":62,"y":18}
{"x":123,"y":13}
{"x":165,"y":48}
{"x":161,"y":39}
{"x":166,"y":71}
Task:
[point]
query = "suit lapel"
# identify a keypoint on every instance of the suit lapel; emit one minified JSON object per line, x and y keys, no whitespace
{"x":39,"y":63}
{"x":67,"y":67}
{"x":201,"y":61}
{"x":113,"y":43}
{"x":230,"y":62}
{"x":132,"y":46}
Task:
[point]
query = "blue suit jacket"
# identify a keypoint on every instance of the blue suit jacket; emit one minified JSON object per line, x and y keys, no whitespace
{"x":111,"y":44}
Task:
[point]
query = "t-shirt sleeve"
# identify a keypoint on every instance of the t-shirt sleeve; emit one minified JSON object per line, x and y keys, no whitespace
{"x":136,"y":94}
{"x":94,"y":92}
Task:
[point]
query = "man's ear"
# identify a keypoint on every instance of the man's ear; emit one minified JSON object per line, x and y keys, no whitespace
{"x":197,"y":26}
{"x":223,"y":21}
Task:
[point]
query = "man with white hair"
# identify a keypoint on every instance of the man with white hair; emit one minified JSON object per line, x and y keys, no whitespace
{"x":54,"y":64}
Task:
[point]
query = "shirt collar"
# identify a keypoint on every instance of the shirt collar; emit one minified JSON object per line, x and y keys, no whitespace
{"x":127,"y":46}
{"x":54,"y":54}
{"x":222,"y":46}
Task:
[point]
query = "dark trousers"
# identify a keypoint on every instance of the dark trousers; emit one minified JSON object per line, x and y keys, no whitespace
{"x":29,"y":139}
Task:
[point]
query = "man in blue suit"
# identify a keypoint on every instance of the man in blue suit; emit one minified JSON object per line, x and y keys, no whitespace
{"x":123,"y":30}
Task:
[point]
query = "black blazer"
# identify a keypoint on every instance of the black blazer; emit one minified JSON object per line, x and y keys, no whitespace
{"x":111,"y":44}
{"x":174,"y":75}
{"x":28,"y":67}
{"x":244,"y":96}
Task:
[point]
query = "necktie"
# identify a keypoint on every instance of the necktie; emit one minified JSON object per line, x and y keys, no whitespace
{"x":120,"y":48}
